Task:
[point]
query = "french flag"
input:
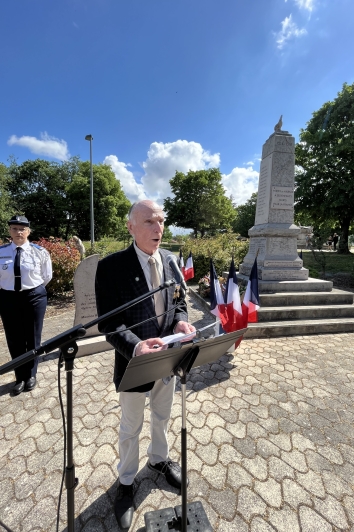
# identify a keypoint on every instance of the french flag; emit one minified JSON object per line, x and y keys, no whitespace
{"x":250,"y":304}
{"x":181,"y":262}
{"x":189,"y":268}
{"x":232,"y":311}
{"x":217,"y":304}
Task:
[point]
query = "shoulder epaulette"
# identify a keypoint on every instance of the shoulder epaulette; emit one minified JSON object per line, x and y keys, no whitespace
{"x":5,"y":245}
{"x":36,"y":246}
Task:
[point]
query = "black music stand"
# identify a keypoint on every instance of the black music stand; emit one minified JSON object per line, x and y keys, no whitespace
{"x":178,"y":361}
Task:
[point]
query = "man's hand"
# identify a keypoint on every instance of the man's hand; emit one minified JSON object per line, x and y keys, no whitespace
{"x":148,"y":346}
{"x":185,"y":328}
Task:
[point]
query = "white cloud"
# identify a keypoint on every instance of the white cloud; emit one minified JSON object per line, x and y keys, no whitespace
{"x":46,"y":145}
{"x":241,"y":183}
{"x":305,"y":4}
{"x":133,"y":190}
{"x":164,"y":159}
{"x":289,"y":30}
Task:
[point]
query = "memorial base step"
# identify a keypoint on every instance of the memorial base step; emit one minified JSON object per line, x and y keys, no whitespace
{"x":311,"y":285}
{"x":299,"y":327}
{"x":299,"y":313}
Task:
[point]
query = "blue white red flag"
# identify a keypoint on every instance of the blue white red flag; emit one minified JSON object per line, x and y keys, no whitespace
{"x":189,"y":268}
{"x":216,"y":299}
{"x":232,"y":311}
{"x":250,"y":304}
{"x":181,"y":262}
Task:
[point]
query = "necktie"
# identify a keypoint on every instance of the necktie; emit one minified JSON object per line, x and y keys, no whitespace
{"x":17,"y":270}
{"x":156,"y":281}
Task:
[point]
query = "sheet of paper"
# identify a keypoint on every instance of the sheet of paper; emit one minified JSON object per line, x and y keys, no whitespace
{"x":178,"y":337}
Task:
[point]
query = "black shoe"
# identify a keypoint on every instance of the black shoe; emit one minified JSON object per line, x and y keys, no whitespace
{"x":124,"y":506}
{"x":18,"y":388}
{"x":31,"y":383}
{"x":170,"y":470}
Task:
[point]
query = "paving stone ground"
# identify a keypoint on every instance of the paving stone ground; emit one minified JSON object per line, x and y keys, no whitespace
{"x":270,"y":439}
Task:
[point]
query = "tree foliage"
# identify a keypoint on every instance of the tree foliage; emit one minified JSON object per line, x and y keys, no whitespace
{"x":109,"y":202}
{"x":245,"y":216}
{"x":55,"y":197}
{"x":199,"y":202}
{"x":325,"y":159}
{"x":39,"y":189}
{"x":220,"y":248}
{"x":7,"y":205}
{"x":167,"y":234}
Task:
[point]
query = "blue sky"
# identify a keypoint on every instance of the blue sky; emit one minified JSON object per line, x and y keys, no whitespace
{"x":165,"y":86}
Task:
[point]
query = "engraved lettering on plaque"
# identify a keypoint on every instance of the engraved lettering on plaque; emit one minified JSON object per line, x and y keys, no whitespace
{"x":262,"y":211}
{"x":282,"y":198}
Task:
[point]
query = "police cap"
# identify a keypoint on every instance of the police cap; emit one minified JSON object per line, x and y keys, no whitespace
{"x":19,"y":220}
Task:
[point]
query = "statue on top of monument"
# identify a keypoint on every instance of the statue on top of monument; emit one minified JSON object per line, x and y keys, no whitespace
{"x":279,"y":124}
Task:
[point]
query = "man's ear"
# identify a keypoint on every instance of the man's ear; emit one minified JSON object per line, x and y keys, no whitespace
{"x":130,"y":227}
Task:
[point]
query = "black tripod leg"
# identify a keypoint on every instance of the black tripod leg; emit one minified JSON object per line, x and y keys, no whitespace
{"x":71,"y":482}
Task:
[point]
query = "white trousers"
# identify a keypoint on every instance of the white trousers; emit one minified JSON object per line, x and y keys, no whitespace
{"x":132,"y":417}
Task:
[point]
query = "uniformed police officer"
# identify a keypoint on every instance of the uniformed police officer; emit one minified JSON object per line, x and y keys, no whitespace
{"x":25,"y":269}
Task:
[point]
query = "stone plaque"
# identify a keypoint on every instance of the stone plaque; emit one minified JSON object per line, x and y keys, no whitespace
{"x":283,"y":264}
{"x":282,"y":198}
{"x":257,"y":245}
{"x":285,"y":275}
{"x":262,"y":210}
{"x":84,"y":288}
{"x":282,"y":246}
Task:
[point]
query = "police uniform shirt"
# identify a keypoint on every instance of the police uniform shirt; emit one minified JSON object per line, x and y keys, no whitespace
{"x":36,"y":266}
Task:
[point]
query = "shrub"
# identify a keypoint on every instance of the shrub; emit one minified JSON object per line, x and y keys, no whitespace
{"x":65,"y":259}
{"x":105,"y":246}
{"x":220,"y":248}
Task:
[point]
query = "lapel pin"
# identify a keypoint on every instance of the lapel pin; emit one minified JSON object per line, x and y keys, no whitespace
{"x":137,"y":278}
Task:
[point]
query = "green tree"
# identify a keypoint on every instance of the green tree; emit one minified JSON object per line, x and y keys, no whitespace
{"x":325,"y":159}
{"x":110,"y":203}
{"x":167,"y":234}
{"x":38,"y":188}
{"x":7,"y":206}
{"x":199,"y":202}
{"x":245,"y":216}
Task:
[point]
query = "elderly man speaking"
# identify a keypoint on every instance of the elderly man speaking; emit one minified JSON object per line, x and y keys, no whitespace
{"x":121,"y":277}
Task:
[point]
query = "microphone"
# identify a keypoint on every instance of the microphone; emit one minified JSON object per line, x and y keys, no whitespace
{"x":172,"y":262}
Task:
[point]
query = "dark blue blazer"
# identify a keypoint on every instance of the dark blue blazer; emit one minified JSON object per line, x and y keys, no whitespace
{"x":120,"y":279}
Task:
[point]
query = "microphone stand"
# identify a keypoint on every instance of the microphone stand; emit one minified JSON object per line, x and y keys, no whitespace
{"x":66,"y":342}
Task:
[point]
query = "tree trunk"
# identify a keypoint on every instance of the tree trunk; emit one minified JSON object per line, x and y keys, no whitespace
{"x":67,"y":229}
{"x":343,"y":247}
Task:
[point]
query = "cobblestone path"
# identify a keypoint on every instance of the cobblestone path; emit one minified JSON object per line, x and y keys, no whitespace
{"x":270,"y":439}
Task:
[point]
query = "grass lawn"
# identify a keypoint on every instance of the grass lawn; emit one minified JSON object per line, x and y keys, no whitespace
{"x":334,"y":263}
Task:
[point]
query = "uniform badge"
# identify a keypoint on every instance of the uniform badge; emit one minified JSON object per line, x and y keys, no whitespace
{"x":137,"y":278}
{"x":5,"y":266}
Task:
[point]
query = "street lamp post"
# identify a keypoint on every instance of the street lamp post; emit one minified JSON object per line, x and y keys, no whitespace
{"x":90,"y":138}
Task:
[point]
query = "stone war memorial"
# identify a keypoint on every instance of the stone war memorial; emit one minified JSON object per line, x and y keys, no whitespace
{"x":85,"y":307}
{"x":292,"y":303}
